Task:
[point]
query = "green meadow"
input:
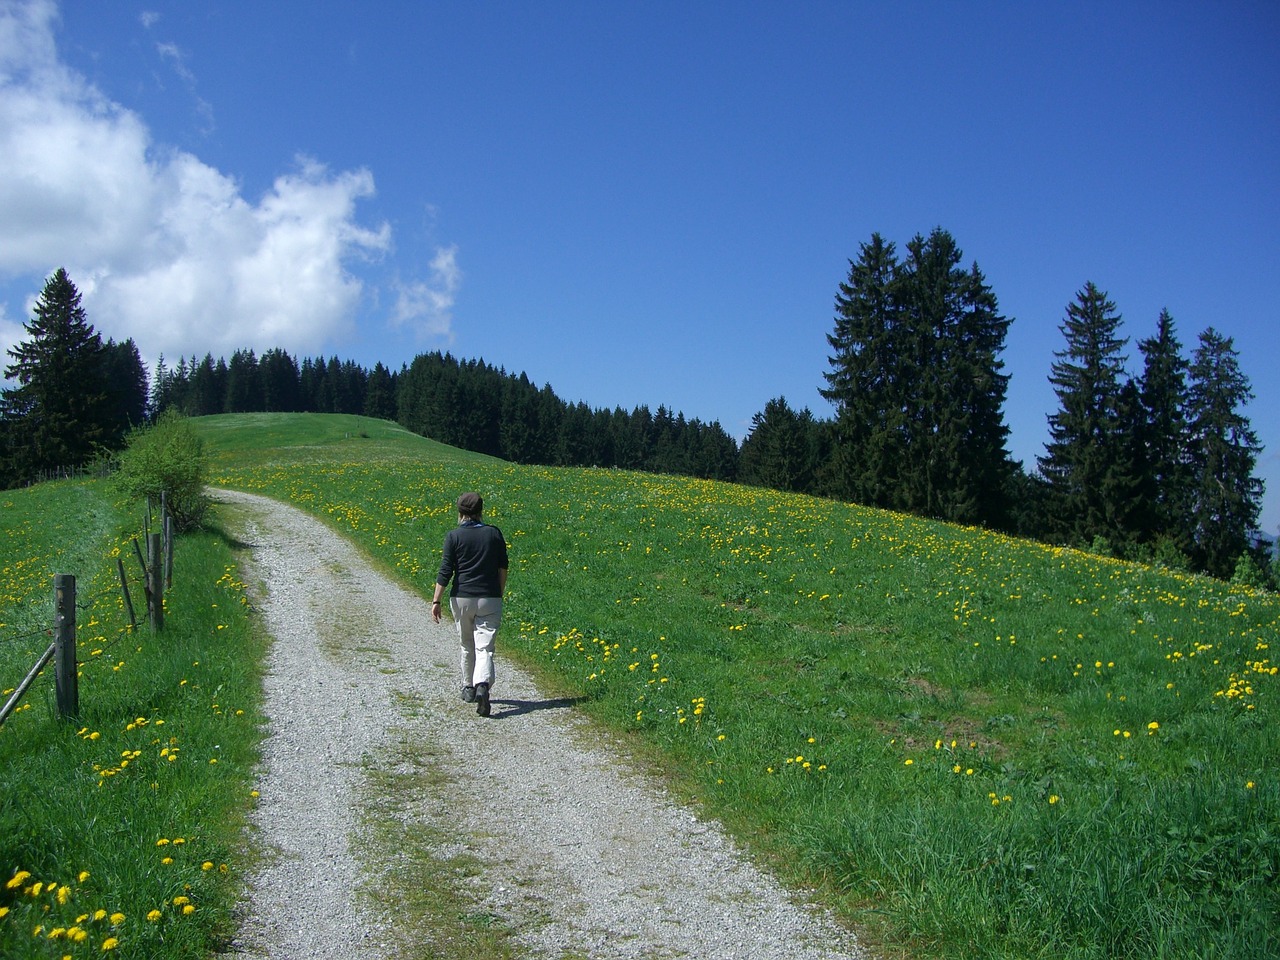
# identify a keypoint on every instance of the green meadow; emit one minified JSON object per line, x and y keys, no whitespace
{"x":969,"y":745}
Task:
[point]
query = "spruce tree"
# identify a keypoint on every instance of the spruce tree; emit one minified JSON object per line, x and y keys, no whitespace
{"x":380,"y":399}
{"x":128,"y":394}
{"x":986,"y":468}
{"x":1084,"y":455}
{"x":779,"y":451}
{"x":244,"y":385}
{"x":865,"y":382}
{"x":957,"y":463}
{"x":207,"y":394}
{"x":1165,"y":484}
{"x":58,"y":413}
{"x":917,"y":384}
{"x":1223,"y":448}
{"x":280,"y":382}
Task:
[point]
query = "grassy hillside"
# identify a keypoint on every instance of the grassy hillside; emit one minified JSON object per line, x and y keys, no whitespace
{"x":977,"y":746}
{"x":972,"y":745}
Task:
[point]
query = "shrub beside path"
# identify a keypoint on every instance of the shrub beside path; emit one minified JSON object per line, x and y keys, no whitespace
{"x":536,"y":824}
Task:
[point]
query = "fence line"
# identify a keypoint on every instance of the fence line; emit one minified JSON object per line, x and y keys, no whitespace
{"x":13,"y":700}
{"x":156,"y":576}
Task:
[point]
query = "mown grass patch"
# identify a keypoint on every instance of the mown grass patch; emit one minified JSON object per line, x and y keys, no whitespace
{"x":978,"y":746}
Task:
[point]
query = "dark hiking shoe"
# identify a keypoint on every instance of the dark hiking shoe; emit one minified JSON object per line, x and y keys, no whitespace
{"x":482,"y":699}
{"x":468,"y":694}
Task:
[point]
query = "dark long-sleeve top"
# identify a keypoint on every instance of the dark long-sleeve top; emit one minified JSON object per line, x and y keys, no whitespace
{"x":472,"y":556}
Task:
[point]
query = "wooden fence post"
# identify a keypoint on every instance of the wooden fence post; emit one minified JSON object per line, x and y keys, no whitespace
{"x":68,"y":680}
{"x":155,"y":574}
{"x":124,"y":588}
{"x":168,"y":551}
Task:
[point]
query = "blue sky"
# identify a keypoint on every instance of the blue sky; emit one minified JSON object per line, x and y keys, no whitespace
{"x":639,"y":202}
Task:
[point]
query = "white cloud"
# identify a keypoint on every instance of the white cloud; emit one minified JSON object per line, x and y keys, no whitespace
{"x":165,"y":248}
{"x":178,"y":61}
{"x":425,"y":306}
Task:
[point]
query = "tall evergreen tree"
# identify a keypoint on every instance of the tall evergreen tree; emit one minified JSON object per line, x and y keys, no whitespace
{"x":1082,"y":462}
{"x":161,"y":386}
{"x":866,"y":381}
{"x":718,"y":453}
{"x":244,"y":386}
{"x":986,"y":469}
{"x":353,"y":384}
{"x":380,"y":398}
{"x":957,"y":463}
{"x":779,"y":452}
{"x":279,"y":378}
{"x":58,"y":413}
{"x":519,"y":423}
{"x":1165,"y":493}
{"x":917,"y":384}
{"x":208,"y":392}
{"x":1223,"y":447}
{"x":128,"y":396}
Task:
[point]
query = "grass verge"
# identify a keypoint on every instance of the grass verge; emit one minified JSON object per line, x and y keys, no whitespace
{"x":120,"y":829}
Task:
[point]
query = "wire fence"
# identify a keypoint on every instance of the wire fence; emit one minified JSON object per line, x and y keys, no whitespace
{"x":156,"y":575}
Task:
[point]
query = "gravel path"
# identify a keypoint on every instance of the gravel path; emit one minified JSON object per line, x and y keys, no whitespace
{"x":580,"y":855}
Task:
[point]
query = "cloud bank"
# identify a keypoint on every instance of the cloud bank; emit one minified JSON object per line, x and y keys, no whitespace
{"x":164,"y":247}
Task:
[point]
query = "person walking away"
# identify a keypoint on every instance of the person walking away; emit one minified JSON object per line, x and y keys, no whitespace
{"x":474,"y":558}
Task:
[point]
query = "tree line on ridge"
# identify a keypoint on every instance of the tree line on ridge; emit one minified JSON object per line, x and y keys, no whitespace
{"x":1157,"y":467}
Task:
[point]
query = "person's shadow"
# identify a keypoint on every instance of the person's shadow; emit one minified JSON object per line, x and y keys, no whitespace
{"x":506,"y":709}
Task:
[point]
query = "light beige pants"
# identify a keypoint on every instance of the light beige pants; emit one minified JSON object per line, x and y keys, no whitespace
{"x":477,"y":619}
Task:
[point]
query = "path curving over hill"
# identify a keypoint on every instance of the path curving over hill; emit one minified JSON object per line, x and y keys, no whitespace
{"x":564,"y":844}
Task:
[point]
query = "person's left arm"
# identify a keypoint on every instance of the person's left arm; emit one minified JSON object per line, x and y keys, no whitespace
{"x":443,"y":577}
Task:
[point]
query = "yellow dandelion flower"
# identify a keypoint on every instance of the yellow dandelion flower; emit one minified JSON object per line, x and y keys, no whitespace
{"x":154,"y":915}
{"x":110,"y":943}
